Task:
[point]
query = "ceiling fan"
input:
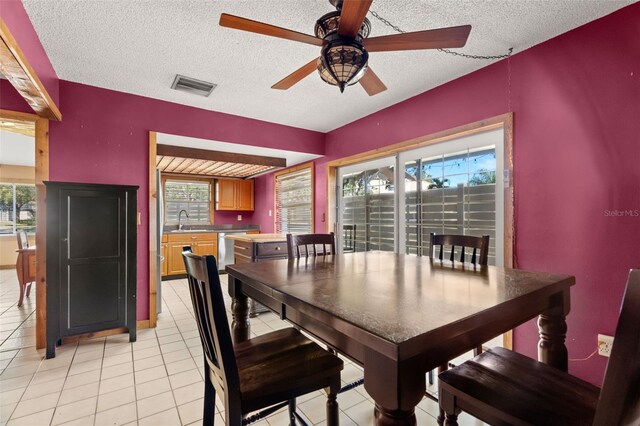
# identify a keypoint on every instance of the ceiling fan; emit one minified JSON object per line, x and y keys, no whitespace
{"x":343,"y":36}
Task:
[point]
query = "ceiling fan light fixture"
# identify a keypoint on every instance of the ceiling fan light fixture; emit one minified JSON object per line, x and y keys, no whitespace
{"x":343,"y":62}
{"x":329,"y":23}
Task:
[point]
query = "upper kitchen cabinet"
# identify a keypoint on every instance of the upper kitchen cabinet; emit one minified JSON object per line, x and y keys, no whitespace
{"x":235,"y":194}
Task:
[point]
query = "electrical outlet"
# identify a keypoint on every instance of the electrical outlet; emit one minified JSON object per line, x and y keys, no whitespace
{"x":605,"y":343}
{"x":239,"y":217}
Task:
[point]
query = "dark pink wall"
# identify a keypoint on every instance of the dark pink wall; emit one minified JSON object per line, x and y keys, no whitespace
{"x":13,"y":14}
{"x":104,"y":138}
{"x":264,"y":202}
{"x":576,"y":102}
{"x":224,"y":217}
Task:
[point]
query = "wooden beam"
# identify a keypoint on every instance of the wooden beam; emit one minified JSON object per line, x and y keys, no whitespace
{"x":42,"y":175}
{"x":153,"y":234}
{"x":15,"y":68}
{"x":229,"y":157}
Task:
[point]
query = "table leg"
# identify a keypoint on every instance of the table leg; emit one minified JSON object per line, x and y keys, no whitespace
{"x":396,"y":387}
{"x":240,"y":326}
{"x":386,"y":417}
{"x":553,"y":330}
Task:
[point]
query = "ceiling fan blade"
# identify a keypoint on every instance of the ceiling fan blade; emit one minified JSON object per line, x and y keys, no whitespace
{"x":352,"y":15}
{"x":372,"y":83}
{"x":296,"y":76}
{"x":245,"y":24}
{"x":428,"y":39}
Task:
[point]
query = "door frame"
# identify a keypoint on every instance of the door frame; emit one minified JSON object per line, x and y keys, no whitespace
{"x":41,"y":126}
{"x":503,"y":121}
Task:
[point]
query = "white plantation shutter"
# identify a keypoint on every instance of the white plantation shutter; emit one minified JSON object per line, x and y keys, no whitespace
{"x":294,"y":202}
{"x":192,"y":196}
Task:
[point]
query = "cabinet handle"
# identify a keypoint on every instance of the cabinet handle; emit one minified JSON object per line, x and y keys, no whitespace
{"x":242,"y":248}
{"x":277,"y":248}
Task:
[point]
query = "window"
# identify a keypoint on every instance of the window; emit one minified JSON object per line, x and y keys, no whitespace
{"x":17,"y":208}
{"x":194,"y":196}
{"x":294,"y":201}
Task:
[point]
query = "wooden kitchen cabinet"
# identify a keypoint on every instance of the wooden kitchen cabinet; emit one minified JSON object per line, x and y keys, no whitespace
{"x":235,"y":194}
{"x":201,"y":243}
{"x":244,"y":194}
{"x":226,"y":194}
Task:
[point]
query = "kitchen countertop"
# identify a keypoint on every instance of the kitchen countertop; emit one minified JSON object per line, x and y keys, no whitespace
{"x":258,"y":238}
{"x":188,"y":229}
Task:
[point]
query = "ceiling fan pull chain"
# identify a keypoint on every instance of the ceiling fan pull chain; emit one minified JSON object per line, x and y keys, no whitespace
{"x":451,"y":52}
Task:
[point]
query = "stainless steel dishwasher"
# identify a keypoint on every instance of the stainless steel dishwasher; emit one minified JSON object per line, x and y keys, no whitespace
{"x":225,"y":249}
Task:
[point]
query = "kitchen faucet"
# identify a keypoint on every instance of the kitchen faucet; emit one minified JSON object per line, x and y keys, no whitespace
{"x":180,"y":218}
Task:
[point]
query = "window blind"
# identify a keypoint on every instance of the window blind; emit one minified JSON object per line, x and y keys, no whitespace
{"x":294,"y":202}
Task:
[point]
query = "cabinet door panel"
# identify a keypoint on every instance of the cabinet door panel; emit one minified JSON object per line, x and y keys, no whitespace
{"x":245,"y":195}
{"x":175,"y":261}
{"x":93,"y":300}
{"x":206,"y":248}
{"x":226,"y":194}
{"x":93,"y":258}
{"x":97,"y":228}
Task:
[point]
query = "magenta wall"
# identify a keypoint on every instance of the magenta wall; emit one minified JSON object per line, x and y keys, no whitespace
{"x":13,"y":14}
{"x":576,"y":102}
{"x":104,"y":138}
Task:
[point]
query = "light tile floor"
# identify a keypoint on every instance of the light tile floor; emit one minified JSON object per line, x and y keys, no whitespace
{"x":154,"y":381}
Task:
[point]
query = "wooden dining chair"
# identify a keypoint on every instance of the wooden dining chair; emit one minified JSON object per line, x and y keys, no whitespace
{"x":25,"y":266}
{"x":463,"y":242}
{"x":23,"y":241}
{"x":504,"y":387}
{"x":307,"y":245}
{"x":348,"y":238}
{"x":273,"y":368}
{"x":479,"y":256}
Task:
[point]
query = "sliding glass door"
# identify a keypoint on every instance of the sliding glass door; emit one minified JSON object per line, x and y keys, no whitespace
{"x":367,"y":206}
{"x":453,"y":187}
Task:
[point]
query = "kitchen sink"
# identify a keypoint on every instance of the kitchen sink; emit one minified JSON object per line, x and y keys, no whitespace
{"x":183,"y":231}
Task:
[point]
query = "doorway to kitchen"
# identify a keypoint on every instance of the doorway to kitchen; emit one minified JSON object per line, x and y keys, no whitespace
{"x":24,"y":165}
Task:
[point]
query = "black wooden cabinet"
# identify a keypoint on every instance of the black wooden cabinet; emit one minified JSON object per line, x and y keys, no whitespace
{"x":91,"y":259}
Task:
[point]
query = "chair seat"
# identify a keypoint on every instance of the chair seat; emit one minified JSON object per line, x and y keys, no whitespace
{"x":518,"y":390}
{"x":273,"y":364}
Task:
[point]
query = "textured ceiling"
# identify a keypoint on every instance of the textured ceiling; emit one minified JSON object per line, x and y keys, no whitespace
{"x":138,"y":46}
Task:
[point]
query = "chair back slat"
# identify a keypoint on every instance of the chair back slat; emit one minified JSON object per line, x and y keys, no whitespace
{"x":310,"y":245}
{"x":213,"y":325}
{"x":619,"y":402}
{"x":465,"y":242}
{"x":23,"y":241}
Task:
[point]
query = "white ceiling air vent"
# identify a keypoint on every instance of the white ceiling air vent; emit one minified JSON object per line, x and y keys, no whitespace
{"x":192,"y":85}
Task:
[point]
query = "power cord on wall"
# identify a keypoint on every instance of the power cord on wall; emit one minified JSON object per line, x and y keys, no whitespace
{"x":584,"y":359}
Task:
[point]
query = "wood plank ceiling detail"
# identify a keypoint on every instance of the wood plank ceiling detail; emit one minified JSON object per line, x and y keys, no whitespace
{"x":192,"y":166}
{"x":15,"y":68}
{"x":17,"y":126}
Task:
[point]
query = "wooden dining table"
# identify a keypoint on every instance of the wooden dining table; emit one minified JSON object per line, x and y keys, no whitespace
{"x":400,"y":316}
